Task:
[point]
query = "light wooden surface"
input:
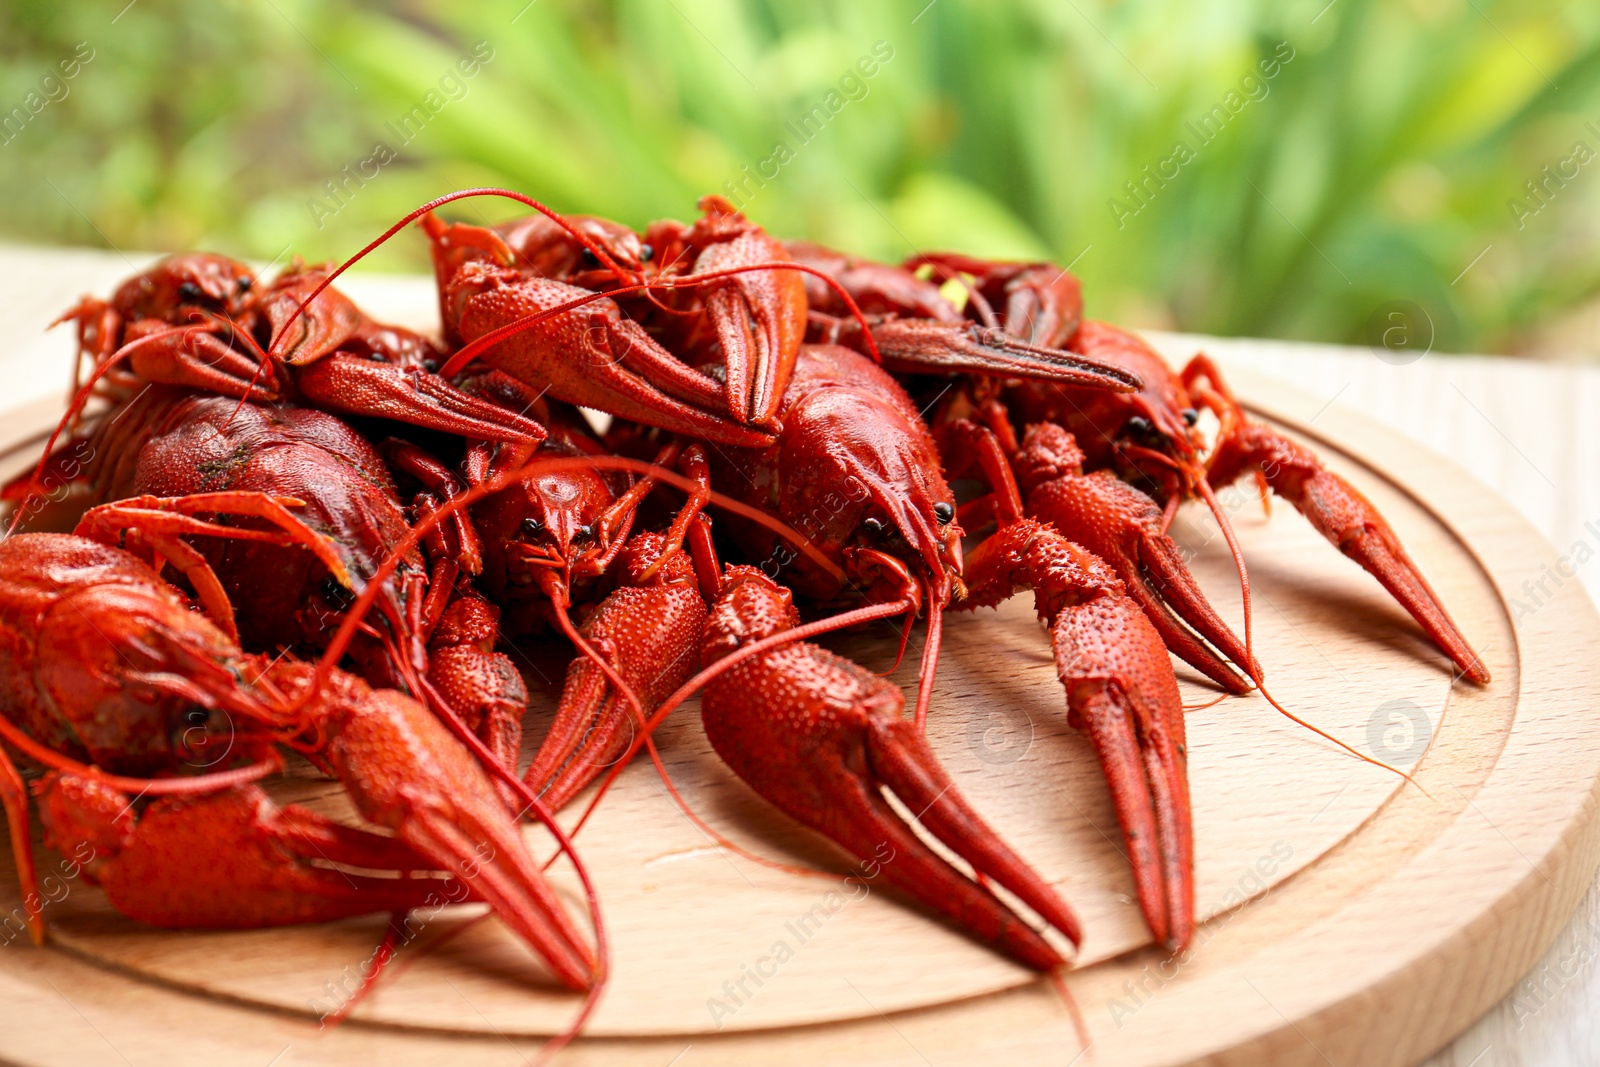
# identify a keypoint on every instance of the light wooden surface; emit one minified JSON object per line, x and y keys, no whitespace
{"x":1289,"y":775}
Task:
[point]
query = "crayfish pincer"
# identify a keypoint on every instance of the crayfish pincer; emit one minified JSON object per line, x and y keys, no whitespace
{"x":1120,"y":690}
{"x":820,"y":737}
{"x":105,"y":672}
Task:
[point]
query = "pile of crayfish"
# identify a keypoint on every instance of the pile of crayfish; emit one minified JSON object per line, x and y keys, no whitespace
{"x":300,"y":531}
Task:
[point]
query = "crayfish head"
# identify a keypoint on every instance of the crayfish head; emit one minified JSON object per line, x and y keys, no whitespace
{"x":858,"y":476}
{"x":138,"y":683}
{"x":546,"y":525}
{"x":1150,"y":432}
{"x":547,"y":248}
{"x":190,"y":280}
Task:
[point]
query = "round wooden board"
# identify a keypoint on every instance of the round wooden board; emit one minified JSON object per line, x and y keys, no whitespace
{"x":1350,"y":921}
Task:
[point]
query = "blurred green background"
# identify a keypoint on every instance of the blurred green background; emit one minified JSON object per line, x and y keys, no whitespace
{"x":1388,"y":156}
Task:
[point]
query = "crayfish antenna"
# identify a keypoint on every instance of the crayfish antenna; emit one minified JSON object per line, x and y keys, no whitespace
{"x":870,"y":613}
{"x":1079,"y":1027}
{"x":930,"y":661}
{"x":577,"y":234}
{"x":1326,"y":736}
{"x":354,"y":617}
{"x":382,"y":956}
{"x":1218,"y":512}
{"x":72,"y":412}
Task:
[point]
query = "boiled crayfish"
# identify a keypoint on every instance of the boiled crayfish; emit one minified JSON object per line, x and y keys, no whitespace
{"x":821,"y":405}
{"x":107,"y":673}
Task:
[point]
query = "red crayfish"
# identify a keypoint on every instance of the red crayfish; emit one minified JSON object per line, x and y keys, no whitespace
{"x":297,"y":466}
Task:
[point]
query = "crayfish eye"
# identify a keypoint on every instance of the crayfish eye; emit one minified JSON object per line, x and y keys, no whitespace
{"x":874,"y":527}
{"x":646,"y":253}
{"x":1139,"y":426}
{"x":245,"y":282}
{"x":584,"y":533}
{"x":944,"y":512}
{"x":532,"y":527}
{"x":588,"y":258}
{"x":1190,"y":416}
{"x":190,"y":291}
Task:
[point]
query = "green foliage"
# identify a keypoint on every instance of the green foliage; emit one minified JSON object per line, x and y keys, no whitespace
{"x":1387,"y":152}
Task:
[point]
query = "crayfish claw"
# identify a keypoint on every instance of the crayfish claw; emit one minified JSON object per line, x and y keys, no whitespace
{"x":901,"y":756}
{"x":823,"y":752}
{"x":1121,"y":690}
{"x":1121,"y":525}
{"x":1350,"y":522}
{"x":1144,"y":759}
{"x":162,"y":866}
{"x":1163,"y":586}
{"x":348,"y":385}
{"x":406,"y":773}
{"x":924,"y":346}
{"x":643,"y":634}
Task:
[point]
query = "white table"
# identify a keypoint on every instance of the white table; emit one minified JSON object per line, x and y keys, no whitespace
{"x":1519,"y":427}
